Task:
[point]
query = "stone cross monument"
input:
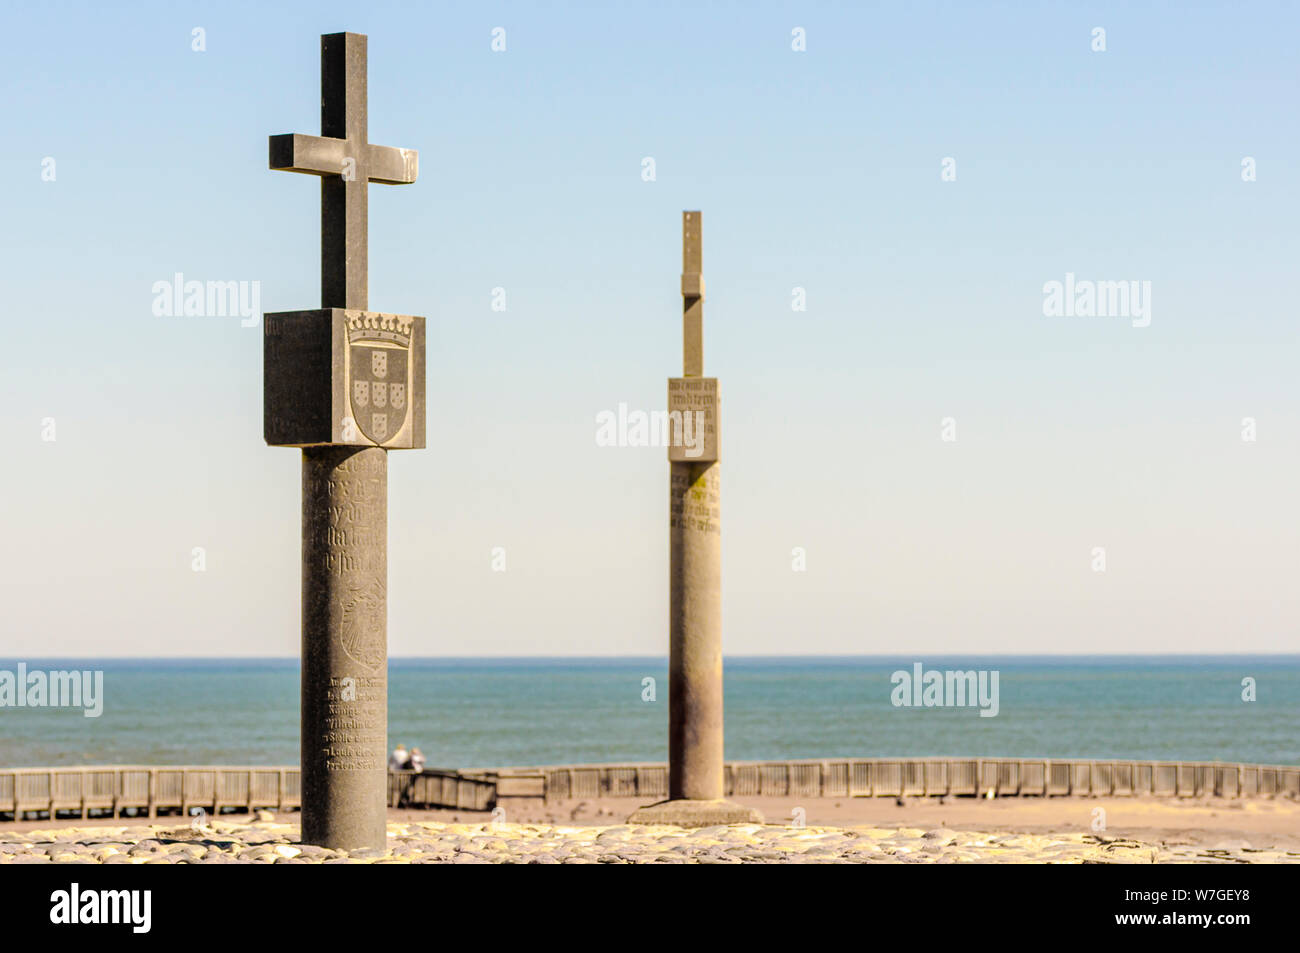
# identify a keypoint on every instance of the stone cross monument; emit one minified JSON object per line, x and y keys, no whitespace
{"x":345,"y":384}
{"x":695,"y":768}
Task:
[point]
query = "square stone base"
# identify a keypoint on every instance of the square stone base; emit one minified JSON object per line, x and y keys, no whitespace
{"x":685,"y":812}
{"x":342,"y":377}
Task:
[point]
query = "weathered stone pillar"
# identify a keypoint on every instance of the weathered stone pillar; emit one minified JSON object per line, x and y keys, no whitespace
{"x":695,"y":633}
{"x":344,"y":646}
{"x":345,"y":384}
{"x":695,"y":754}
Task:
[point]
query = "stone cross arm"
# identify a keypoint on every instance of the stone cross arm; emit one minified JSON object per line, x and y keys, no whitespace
{"x":347,"y":162}
{"x":322,"y":155}
{"x":692,"y":295}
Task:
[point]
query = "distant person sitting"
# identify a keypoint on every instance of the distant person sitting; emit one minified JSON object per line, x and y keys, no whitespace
{"x":399,"y":759}
{"x":417,"y":761}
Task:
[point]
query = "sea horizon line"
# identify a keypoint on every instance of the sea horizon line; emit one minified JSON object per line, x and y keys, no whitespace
{"x":884,"y":657}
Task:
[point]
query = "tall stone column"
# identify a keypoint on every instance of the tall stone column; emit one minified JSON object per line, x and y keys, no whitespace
{"x":345,"y":384}
{"x":695,"y":633}
{"x":696,"y":785}
{"x":344,"y":645}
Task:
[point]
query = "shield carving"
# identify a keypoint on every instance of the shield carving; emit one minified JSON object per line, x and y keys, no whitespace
{"x":380,"y":372}
{"x":363,"y":627}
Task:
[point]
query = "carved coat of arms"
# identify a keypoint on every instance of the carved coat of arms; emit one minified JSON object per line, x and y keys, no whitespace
{"x":379,"y":374}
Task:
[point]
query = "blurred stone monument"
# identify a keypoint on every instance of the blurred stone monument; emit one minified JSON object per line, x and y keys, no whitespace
{"x":695,"y":755}
{"x":345,"y":384}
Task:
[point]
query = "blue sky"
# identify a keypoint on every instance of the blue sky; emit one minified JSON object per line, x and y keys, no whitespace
{"x":818,"y":170}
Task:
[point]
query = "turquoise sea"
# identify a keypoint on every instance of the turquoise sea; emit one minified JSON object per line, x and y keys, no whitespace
{"x":496,"y":712}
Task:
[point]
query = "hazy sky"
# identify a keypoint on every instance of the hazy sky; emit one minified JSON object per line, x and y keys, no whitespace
{"x":819,"y":170}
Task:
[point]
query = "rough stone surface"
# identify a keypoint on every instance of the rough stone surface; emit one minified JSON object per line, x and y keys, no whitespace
{"x":344,"y":646}
{"x":428,"y":842}
{"x":692,"y":294}
{"x":689,"y":813}
{"x":695,"y":633}
{"x":695,"y":400}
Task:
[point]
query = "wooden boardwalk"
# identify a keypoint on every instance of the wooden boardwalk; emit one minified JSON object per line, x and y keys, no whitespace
{"x":112,"y":790}
{"x":918,"y":777}
{"x":214,"y":789}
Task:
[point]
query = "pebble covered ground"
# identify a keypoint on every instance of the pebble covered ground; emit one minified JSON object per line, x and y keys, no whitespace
{"x":264,"y":841}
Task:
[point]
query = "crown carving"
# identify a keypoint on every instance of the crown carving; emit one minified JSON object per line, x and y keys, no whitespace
{"x":374,"y":326}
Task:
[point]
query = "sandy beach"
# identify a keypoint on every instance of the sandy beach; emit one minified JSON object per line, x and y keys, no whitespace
{"x":1261,"y":822}
{"x":833,"y":831}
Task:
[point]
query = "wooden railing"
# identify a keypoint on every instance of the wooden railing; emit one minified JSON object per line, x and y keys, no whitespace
{"x":918,"y":777}
{"x":114,"y":790}
{"x":152,"y":790}
{"x":145,"y":789}
{"x":440,"y":789}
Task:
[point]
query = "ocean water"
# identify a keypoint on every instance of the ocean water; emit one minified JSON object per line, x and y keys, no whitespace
{"x":497,"y":712}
